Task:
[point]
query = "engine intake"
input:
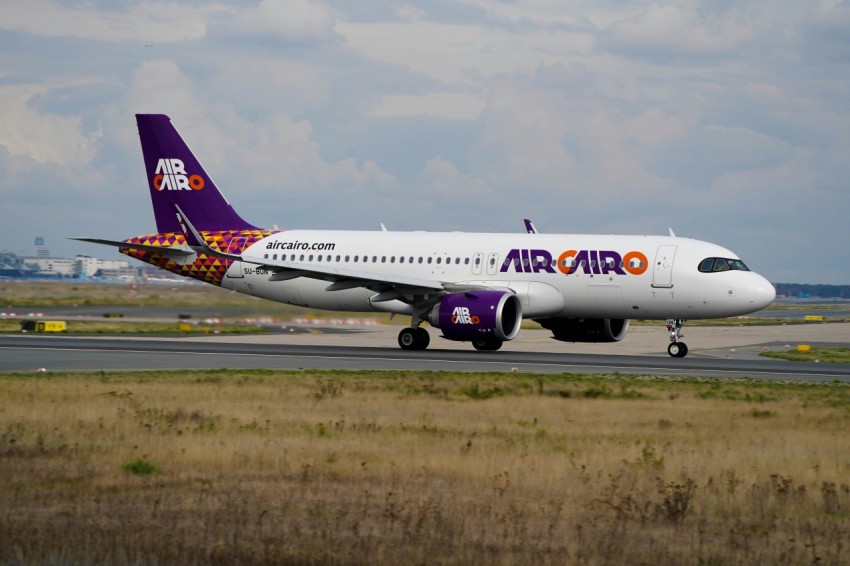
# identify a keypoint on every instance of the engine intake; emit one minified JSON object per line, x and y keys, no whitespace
{"x":478,"y":315}
{"x":586,"y":329}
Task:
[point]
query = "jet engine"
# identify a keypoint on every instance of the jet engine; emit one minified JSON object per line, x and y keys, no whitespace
{"x":479,"y":316}
{"x":586,"y":329}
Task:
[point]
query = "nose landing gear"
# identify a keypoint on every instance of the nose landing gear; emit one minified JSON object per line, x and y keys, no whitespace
{"x":676,"y":349}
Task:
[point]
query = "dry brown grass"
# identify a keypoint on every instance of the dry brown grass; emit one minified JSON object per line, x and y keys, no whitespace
{"x":264,"y":467}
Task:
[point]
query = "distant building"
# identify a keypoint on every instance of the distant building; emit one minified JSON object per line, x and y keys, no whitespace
{"x":87,"y":266}
{"x":41,"y":251}
{"x":50,"y":267}
{"x":13,"y":266}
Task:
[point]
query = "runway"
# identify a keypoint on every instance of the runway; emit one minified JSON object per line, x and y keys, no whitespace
{"x":31,"y":353}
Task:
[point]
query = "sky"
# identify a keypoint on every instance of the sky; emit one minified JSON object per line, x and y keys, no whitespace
{"x":726,"y":120}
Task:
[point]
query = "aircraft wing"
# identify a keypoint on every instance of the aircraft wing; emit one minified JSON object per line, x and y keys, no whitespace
{"x":388,"y":286}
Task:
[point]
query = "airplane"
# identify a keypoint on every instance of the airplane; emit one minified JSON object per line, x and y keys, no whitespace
{"x":473,"y":287}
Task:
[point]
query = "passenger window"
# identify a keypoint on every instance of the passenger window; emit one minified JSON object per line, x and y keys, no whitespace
{"x":337,"y":259}
{"x":420,"y":260}
{"x":466,"y":261}
{"x":311,"y":257}
{"x":401,"y":259}
{"x":356,"y":259}
{"x":430,"y":259}
{"x":274,"y":256}
{"x":478,"y":261}
{"x":392,"y":259}
{"x":301,"y":258}
{"x":438,"y":260}
{"x":266,"y":256}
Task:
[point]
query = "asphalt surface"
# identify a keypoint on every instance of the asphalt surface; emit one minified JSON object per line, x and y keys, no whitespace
{"x":31,"y":353}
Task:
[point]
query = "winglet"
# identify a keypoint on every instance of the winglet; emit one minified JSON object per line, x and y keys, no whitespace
{"x":529,"y":226}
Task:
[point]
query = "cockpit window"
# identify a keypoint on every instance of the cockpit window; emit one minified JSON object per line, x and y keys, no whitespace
{"x":715,"y":264}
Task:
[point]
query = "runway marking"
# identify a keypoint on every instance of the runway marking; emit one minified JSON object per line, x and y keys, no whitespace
{"x":579,"y":366}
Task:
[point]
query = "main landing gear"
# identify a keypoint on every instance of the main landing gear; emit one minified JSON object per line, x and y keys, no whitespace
{"x":676,"y":349}
{"x":413,"y":338}
{"x":484,"y":345}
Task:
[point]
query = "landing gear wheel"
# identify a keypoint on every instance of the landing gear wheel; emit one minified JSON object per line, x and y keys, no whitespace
{"x":677,"y":349}
{"x":413,"y":339}
{"x":422,"y":338}
{"x":487,"y":345}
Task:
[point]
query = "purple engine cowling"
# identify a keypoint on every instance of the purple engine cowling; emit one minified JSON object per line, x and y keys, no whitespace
{"x":476,"y":315}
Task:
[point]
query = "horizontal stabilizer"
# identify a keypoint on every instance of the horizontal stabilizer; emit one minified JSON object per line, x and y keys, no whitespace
{"x":179,"y":255}
{"x":164,"y":250}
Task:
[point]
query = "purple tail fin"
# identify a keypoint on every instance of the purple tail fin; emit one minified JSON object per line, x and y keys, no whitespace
{"x":176,"y":177}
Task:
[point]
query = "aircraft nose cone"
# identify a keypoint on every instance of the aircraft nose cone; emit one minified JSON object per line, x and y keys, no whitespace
{"x":762,"y":293}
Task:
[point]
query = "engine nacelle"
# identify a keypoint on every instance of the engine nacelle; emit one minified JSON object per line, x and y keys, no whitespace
{"x":586,"y":329}
{"x":477,"y":315}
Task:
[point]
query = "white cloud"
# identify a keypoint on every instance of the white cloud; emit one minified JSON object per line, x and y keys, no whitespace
{"x":452,"y":105}
{"x":790,"y":180}
{"x":144,"y":22}
{"x":45,"y":138}
{"x":674,"y":31}
{"x":279,"y":153}
{"x":296,"y":20}
{"x":460,"y":54}
{"x":441,"y":177}
{"x":522,"y":146}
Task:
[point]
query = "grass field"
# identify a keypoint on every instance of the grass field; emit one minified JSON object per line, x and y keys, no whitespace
{"x":825,"y":355}
{"x":420,"y":468}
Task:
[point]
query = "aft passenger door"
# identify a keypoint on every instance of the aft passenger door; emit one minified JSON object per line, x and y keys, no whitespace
{"x":662,"y":271}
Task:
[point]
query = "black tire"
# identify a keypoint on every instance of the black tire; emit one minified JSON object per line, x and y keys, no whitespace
{"x":677,"y":349}
{"x":422,"y":339}
{"x":487,"y":345}
{"x":408,"y":339}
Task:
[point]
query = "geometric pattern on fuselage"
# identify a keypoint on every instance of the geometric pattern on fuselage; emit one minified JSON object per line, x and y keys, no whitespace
{"x":204,"y":268}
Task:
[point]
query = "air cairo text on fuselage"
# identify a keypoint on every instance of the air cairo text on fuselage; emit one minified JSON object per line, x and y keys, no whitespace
{"x":592,"y":262}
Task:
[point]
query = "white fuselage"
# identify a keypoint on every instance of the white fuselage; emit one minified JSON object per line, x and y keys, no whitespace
{"x":557,"y":275}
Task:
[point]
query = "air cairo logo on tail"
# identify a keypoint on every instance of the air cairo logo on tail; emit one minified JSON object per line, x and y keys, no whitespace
{"x":170,"y":175}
